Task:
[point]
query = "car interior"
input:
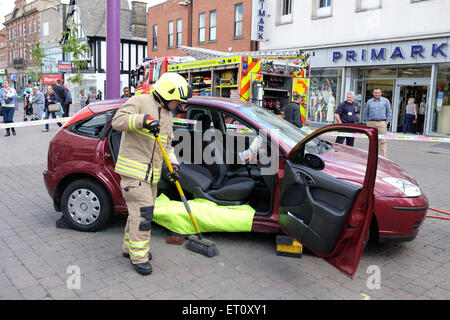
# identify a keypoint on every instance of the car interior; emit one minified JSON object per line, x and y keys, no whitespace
{"x":212,"y":169}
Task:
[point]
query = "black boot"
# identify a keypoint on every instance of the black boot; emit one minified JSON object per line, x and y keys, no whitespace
{"x":143,"y":268}
{"x":13,"y":131}
{"x":8,"y":132}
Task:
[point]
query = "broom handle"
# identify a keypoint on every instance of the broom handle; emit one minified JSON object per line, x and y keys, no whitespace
{"x":177,"y":184}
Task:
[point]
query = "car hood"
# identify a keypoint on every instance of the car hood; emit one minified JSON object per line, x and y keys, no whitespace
{"x":349,"y":164}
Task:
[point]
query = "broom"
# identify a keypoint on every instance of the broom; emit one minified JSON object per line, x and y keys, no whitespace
{"x":197,"y":242}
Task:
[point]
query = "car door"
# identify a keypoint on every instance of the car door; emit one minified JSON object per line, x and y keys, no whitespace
{"x":330,"y":217}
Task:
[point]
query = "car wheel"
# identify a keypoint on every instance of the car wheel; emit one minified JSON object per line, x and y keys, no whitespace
{"x":86,"y":205}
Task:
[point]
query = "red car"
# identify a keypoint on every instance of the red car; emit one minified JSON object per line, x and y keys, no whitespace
{"x":327,"y":196}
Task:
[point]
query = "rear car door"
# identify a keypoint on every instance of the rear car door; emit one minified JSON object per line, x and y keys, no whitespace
{"x":330,"y":217}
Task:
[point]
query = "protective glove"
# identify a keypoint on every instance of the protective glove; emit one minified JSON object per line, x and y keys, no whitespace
{"x":175,"y":175}
{"x":151,"y":124}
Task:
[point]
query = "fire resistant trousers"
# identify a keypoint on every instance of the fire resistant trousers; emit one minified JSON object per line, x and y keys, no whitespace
{"x":140,"y":198}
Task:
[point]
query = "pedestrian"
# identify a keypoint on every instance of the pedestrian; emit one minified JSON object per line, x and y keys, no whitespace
{"x":99,"y":95}
{"x":83,"y":98}
{"x":345,"y":113}
{"x":292,"y":112}
{"x":378,"y":114}
{"x":8,"y":106}
{"x":411,"y":115}
{"x":91,"y":97}
{"x":39,"y":101}
{"x":126,"y":93}
{"x":60,"y":91}
{"x":140,"y":159}
{"x":51,"y":98}
{"x":421,"y":117}
{"x":67,"y":101}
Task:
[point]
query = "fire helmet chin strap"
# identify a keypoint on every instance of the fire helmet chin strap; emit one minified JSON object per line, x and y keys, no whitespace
{"x":161,"y":100}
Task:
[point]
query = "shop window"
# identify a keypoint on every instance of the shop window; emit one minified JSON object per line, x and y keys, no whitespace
{"x":414,"y":72}
{"x":441,"y":106}
{"x":381,"y":73}
{"x":325,"y":88}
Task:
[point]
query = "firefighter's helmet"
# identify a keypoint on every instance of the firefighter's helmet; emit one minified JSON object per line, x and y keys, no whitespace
{"x":172,"y":86}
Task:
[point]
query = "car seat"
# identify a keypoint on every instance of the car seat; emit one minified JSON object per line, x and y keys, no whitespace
{"x":214,"y":182}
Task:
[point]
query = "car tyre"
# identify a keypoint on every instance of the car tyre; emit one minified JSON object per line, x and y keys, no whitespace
{"x":86,"y":205}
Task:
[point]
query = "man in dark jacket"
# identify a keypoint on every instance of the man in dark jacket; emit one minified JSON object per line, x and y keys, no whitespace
{"x":292,"y":112}
{"x":67,"y":101}
{"x":345,"y":113}
{"x":60,"y":92}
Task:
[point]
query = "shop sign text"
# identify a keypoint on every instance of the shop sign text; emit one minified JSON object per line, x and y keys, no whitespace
{"x":380,"y":54}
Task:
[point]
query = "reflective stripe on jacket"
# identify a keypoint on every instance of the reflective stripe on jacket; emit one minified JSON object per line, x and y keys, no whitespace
{"x":139,"y":155}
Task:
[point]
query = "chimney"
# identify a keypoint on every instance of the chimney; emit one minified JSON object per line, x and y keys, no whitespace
{"x":139,"y":19}
{"x":19,"y":3}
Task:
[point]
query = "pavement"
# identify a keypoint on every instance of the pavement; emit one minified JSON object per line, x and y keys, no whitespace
{"x":39,"y":261}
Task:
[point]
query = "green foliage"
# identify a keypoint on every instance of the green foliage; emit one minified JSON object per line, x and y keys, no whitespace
{"x":77,"y":49}
{"x":34,"y":76}
{"x":38,"y":56}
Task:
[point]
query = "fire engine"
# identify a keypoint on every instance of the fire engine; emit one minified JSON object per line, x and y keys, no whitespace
{"x":270,"y":79}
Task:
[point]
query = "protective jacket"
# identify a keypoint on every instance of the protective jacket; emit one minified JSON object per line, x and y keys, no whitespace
{"x":139,"y":155}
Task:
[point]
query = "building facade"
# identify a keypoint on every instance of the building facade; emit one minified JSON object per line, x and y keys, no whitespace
{"x":212,"y":24}
{"x":3,"y":53}
{"x":399,"y":46}
{"x":90,"y":15}
{"x":23,"y":31}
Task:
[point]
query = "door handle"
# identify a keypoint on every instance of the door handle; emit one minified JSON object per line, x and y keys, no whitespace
{"x":107,"y":155}
{"x":308,"y":181}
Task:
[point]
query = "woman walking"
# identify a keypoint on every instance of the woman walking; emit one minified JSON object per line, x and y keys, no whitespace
{"x":50,"y":99}
{"x":411,"y":115}
{"x":8,"y":106}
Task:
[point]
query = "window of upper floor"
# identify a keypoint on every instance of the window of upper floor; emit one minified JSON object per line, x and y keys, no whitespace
{"x":201,"y":27}
{"x":284,"y":11}
{"x":321,"y":8}
{"x":238,"y":19}
{"x":363,"y":5}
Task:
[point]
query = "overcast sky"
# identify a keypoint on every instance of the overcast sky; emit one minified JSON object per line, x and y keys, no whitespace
{"x":6,"y":6}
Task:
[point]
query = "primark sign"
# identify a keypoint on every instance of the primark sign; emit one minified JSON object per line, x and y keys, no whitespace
{"x":392,"y":53}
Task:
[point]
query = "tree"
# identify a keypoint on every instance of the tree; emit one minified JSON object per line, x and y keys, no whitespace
{"x":38,"y":55}
{"x":77,"y":49}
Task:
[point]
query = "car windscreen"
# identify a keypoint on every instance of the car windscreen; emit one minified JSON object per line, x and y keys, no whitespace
{"x":287,"y":132}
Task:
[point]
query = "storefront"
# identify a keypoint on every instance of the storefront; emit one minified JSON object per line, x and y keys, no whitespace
{"x":418,"y":69}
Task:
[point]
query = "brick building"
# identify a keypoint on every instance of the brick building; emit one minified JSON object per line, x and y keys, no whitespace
{"x":216,"y":24}
{"x":3,"y":52}
{"x":22,"y":25}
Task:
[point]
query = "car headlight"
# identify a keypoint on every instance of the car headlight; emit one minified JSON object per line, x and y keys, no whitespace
{"x":405,"y":186}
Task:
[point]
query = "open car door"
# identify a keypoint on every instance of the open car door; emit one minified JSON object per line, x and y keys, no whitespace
{"x":328,"y":216}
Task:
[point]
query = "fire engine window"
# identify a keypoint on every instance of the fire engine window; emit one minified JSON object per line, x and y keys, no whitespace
{"x":157,"y":67}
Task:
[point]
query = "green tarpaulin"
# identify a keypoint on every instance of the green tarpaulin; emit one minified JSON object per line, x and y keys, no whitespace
{"x":210,"y":217}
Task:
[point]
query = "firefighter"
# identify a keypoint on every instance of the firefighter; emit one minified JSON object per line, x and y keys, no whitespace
{"x":140,"y":160}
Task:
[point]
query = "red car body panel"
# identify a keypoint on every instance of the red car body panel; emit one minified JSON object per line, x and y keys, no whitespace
{"x":396,"y":215}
